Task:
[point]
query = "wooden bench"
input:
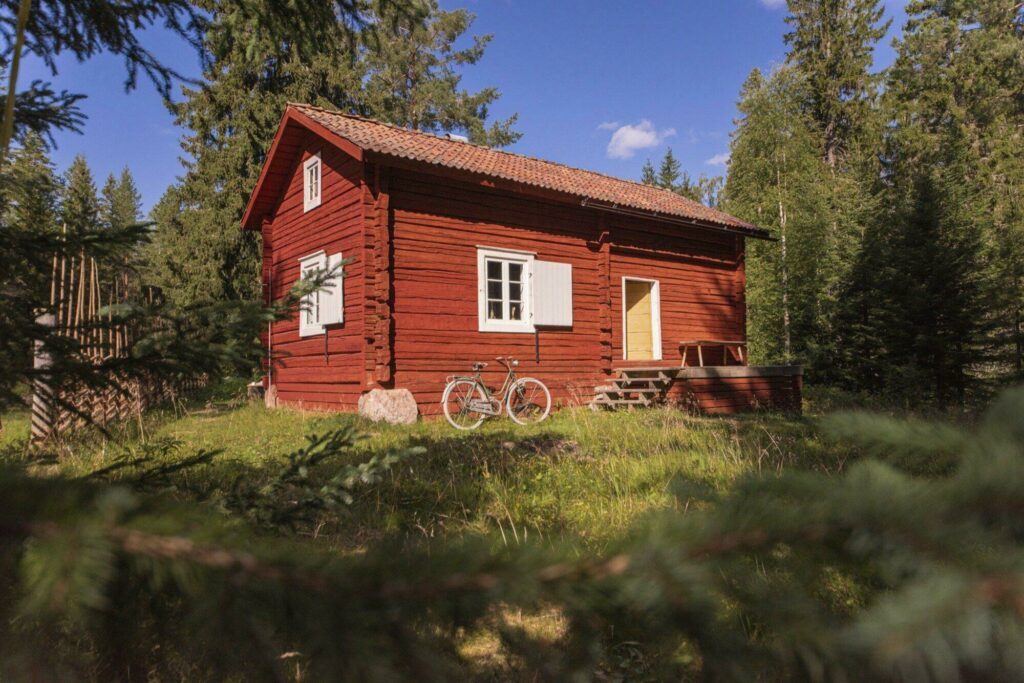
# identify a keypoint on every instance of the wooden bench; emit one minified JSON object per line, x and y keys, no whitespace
{"x":740,"y":347}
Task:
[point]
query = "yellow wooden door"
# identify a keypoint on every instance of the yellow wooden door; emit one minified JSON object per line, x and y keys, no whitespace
{"x":639,"y":326}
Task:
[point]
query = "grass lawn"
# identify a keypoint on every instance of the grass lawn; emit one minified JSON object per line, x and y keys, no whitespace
{"x":581,"y":476}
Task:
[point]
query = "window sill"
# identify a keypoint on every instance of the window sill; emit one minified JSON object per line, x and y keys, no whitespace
{"x":507,"y":327}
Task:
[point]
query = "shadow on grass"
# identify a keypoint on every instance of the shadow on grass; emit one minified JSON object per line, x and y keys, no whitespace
{"x":579,"y":476}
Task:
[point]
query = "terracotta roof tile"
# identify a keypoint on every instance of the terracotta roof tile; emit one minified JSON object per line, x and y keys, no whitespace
{"x":403,"y":143}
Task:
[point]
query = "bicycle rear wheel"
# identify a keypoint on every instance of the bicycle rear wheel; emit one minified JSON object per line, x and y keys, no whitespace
{"x":529,"y":401}
{"x":456,"y":402}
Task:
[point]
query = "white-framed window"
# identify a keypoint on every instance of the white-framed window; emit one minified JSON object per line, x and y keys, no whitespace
{"x":504,"y":290}
{"x":326,"y":306}
{"x":311,"y":182}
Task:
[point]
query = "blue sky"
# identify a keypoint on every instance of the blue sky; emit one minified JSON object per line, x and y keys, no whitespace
{"x":598,"y":84}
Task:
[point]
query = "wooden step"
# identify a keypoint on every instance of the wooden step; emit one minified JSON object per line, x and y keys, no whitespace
{"x":610,"y":389}
{"x":629,"y":402}
{"x":659,"y":375}
{"x":640,"y":387}
{"x":639,"y":383}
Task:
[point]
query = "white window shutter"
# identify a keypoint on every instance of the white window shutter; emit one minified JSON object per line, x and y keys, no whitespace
{"x":332,"y":297}
{"x":552,"y":294}
{"x":311,"y":316}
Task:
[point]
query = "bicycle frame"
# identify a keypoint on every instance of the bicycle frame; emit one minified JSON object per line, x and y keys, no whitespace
{"x":502,"y":394}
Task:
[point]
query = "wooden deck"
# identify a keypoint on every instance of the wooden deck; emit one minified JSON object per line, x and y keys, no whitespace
{"x":711,"y":389}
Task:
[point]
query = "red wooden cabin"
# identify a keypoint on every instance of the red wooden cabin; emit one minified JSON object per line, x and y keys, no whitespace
{"x":462,"y":253}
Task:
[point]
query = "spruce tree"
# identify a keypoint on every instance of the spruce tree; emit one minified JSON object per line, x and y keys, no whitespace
{"x":32,"y":189}
{"x":669,"y":172}
{"x":29,"y":205}
{"x":670,"y":176}
{"x":831,"y":44}
{"x":80,"y":205}
{"x":404,"y":70}
{"x":121,"y":203}
{"x":414,"y":80}
{"x":647,"y":174}
{"x":953,"y":99}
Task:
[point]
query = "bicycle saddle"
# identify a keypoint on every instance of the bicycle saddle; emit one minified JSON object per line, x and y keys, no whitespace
{"x":479,"y":366}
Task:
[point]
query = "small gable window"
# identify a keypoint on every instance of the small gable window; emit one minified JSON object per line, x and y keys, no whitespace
{"x":311,"y":182}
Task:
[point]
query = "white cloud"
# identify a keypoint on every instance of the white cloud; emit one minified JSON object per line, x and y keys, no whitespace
{"x":608,"y":125}
{"x":626,"y":140}
{"x":773,"y":4}
{"x":718,"y":160}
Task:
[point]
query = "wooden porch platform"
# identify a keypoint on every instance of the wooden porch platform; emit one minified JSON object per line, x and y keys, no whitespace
{"x":710,"y":389}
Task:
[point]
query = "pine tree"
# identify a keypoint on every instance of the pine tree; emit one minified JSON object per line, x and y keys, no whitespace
{"x":28,"y":210}
{"x":670,"y":176}
{"x":669,"y":172}
{"x":121,"y":203}
{"x":831,"y":44}
{"x":413,"y":76}
{"x":80,"y":205}
{"x":403,"y":71}
{"x":32,"y":189}
{"x":953,"y":109}
{"x":647,"y":174}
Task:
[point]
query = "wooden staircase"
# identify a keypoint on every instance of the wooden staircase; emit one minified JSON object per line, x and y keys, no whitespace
{"x":635,"y":387}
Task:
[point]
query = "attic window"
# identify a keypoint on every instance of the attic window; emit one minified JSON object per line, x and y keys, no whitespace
{"x":311,"y":182}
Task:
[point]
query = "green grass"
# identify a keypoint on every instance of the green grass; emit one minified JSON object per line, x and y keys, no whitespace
{"x":580,"y":476}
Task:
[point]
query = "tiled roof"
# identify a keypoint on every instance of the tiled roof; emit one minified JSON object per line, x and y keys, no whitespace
{"x":403,"y":143}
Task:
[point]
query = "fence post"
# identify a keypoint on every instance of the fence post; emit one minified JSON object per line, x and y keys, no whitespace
{"x":42,"y":392}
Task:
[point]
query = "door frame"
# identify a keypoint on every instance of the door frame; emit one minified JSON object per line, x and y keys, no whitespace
{"x":655,"y":317}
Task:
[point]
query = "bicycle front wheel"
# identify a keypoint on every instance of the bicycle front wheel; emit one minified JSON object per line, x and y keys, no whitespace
{"x":457,"y":403}
{"x":529,"y":401}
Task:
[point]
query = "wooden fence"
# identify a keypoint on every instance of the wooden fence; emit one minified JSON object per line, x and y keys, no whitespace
{"x":80,"y":297}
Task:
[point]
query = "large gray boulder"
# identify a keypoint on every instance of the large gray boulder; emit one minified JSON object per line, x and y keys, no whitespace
{"x":394,"y":406}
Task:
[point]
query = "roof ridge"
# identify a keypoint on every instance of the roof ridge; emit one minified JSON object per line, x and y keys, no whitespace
{"x":358,"y":117}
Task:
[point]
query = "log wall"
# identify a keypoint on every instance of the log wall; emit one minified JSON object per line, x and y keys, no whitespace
{"x":306,"y":371}
{"x":437,"y":227}
{"x":738,"y":389}
{"x":411,"y":310}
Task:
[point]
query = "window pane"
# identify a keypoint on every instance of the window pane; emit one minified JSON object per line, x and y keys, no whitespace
{"x":515,"y":272}
{"x":515,"y":291}
{"x":494,"y":270}
{"x":494,"y":290}
{"x":515,"y":311}
{"x":494,"y":310}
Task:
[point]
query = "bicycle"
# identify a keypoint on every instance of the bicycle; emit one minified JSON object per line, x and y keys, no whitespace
{"x":467,"y":401}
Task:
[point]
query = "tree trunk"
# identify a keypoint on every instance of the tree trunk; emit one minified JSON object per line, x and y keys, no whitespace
{"x":786,"y":335}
